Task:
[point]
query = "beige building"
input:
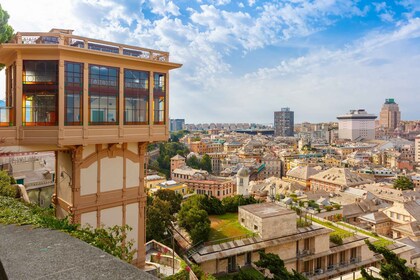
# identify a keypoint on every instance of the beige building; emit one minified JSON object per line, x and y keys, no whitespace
{"x":97,"y":105}
{"x":390,"y":115}
{"x":336,"y":179}
{"x":417,"y":150}
{"x":307,"y":250}
{"x":301,"y":175}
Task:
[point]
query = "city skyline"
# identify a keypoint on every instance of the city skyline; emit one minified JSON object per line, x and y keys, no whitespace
{"x":245,"y":60}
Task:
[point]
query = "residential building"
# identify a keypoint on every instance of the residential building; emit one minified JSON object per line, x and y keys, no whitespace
{"x":177,"y":125}
{"x":336,"y":179}
{"x":390,"y":115}
{"x":97,"y":105}
{"x":151,"y":181}
{"x":180,"y":188}
{"x":356,"y":125}
{"x":284,"y":122}
{"x":301,"y":175}
{"x":417,"y":150}
{"x":177,"y":162}
{"x":307,"y":250}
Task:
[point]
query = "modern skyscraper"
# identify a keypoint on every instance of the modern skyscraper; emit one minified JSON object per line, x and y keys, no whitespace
{"x":177,"y":124}
{"x":284,"y":122}
{"x":390,"y":115}
{"x":356,"y":125}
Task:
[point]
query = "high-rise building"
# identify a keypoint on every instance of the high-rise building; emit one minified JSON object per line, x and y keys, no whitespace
{"x":356,"y":125}
{"x":177,"y":124}
{"x":97,"y":105}
{"x":390,"y":115}
{"x":284,"y":122}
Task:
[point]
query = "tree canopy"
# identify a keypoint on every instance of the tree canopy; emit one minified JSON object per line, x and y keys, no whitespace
{"x":158,"y":219}
{"x":6,"y":31}
{"x":392,"y":268}
{"x":403,"y":183}
{"x":275,"y":265}
{"x":173,"y":198}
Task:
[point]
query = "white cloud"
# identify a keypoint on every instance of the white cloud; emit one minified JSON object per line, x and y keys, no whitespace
{"x":164,"y":7}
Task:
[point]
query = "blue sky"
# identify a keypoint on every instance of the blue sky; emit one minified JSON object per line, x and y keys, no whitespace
{"x":242,"y":60}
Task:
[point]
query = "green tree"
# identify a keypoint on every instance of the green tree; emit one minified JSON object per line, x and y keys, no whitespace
{"x":158,"y":218}
{"x":195,"y":220}
{"x":231,"y":203}
{"x":193,"y":162}
{"x":403,"y":183}
{"x":6,"y":31}
{"x":205,"y":163}
{"x":173,"y":198}
{"x":275,"y":265}
{"x":392,"y":268}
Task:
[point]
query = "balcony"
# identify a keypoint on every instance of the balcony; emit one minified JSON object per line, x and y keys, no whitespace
{"x":63,"y":39}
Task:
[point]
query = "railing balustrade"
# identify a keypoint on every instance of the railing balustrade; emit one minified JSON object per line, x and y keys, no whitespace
{"x":51,"y":38}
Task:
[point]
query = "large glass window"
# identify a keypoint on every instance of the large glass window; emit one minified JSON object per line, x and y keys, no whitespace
{"x":40,"y":91}
{"x":103,"y":95}
{"x":73,"y":93}
{"x":159,"y":91}
{"x":136,"y":97}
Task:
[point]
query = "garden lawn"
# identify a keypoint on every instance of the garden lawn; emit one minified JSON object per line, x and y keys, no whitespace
{"x":341,"y":232}
{"x":380,"y":241}
{"x":226,"y":226}
{"x":252,"y":272}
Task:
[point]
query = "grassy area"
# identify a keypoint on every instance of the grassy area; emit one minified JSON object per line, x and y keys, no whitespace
{"x":226,"y":226}
{"x":380,"y":241}
{"x":252,"y":272}
{"x":340,"y":232}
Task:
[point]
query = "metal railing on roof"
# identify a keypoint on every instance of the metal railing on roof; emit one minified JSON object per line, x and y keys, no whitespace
{"x":56,"y":38}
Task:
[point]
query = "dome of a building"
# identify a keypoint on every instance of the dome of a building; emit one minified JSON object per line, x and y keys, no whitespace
{"x":243,"y":172}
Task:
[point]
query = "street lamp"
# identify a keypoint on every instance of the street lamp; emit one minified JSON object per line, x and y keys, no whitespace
{"x":169,"y":232}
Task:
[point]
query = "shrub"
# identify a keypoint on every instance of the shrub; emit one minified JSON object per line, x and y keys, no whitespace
{"x":336,"y":239}
{"x":328,"y":208}
{"x":336,"y":206}
{"x":6,"y":189}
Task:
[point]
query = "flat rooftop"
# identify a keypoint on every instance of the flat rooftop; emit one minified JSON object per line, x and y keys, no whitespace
{"x":36,"y":253}
{"x":265,"y":210}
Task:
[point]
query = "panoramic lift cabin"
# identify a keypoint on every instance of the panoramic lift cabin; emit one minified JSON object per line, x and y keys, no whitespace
{"x":97,"y":104}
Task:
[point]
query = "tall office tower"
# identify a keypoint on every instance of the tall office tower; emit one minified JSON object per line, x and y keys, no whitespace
{"x":97,"y":105}
{"x":284,"y":122}
{"x":356,"y":125}
{"x":390,"y":115}
{"x":177,"y":124}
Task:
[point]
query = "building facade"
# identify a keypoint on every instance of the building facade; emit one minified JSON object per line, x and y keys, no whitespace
{"x":177,"y":125}
{"x":356,"y":125}
{"x":97,"y":105}
{"x":284,"y":122}
{"x":417,"y":150}
{"x":390,"y":115}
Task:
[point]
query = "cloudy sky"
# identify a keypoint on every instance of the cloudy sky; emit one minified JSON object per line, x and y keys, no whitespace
{"x":244,"y":59}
